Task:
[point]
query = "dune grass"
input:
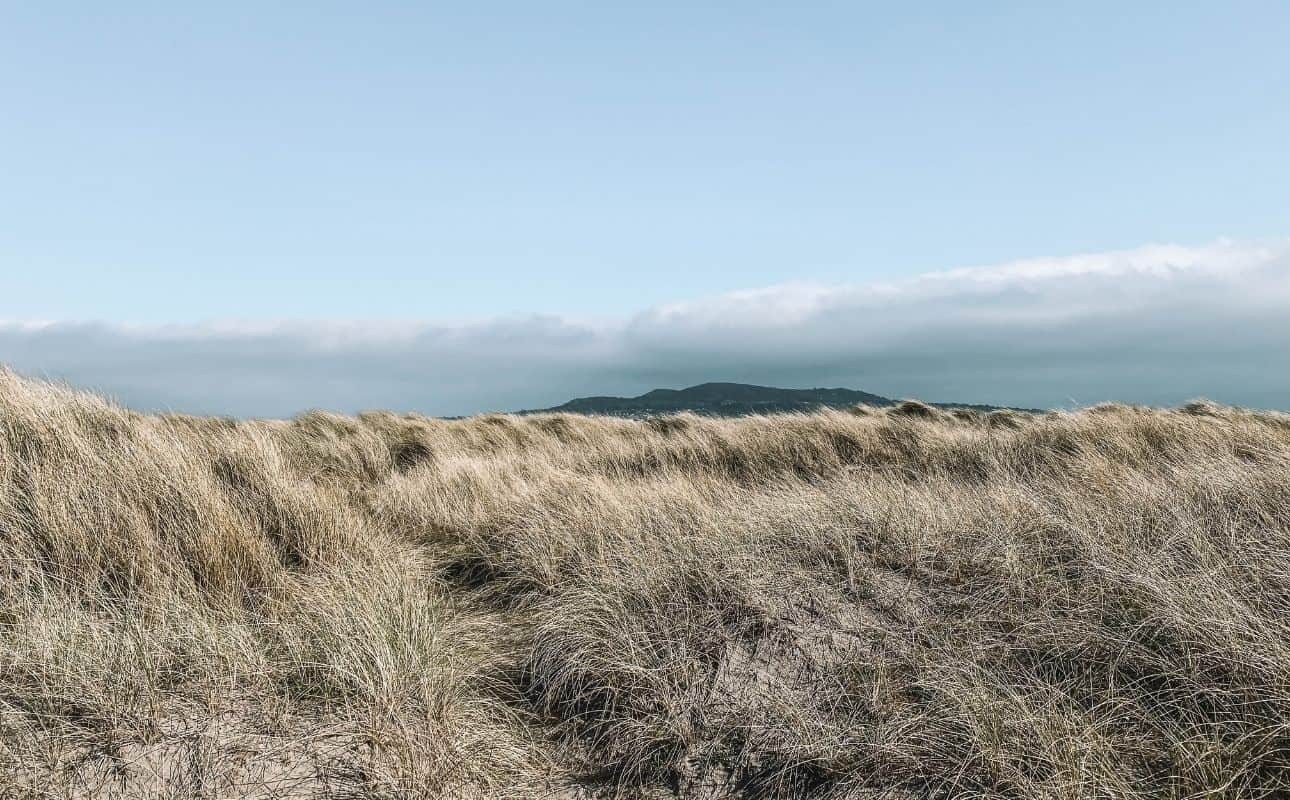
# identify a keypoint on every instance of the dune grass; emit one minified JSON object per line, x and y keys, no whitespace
{"x":904,"y":602}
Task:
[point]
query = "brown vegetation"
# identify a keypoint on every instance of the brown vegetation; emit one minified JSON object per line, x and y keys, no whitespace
{"x":899,"y":602}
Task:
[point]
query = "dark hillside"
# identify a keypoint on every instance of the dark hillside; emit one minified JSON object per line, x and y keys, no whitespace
{"x":732,"y":400}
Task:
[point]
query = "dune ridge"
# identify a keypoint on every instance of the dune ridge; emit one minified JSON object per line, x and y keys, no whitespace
{"x":901,"y":602}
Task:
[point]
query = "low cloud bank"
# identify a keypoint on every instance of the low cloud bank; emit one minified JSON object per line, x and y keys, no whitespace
{"x":1157,"y":325}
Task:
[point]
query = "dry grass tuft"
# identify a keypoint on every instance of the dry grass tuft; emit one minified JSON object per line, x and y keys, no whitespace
{"x":848,"y":604}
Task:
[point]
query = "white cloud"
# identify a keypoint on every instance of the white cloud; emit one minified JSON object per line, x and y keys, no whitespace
{"x":1156,"y":324}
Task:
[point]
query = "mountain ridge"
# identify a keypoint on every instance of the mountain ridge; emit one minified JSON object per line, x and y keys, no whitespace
{"x":728,"y":399}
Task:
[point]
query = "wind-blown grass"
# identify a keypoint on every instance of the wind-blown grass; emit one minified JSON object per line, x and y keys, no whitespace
{"x":903,"y":602}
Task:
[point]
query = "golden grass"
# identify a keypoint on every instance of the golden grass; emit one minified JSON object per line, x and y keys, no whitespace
{"x":878,"y":603}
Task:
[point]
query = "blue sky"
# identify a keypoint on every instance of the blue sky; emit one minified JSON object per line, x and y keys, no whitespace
{"x":168,"y":164}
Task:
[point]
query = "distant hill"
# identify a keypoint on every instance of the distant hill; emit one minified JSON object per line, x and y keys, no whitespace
{"x":730,"y":400}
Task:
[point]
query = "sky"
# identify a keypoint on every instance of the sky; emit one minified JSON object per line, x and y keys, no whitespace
{"x":256,"y":209}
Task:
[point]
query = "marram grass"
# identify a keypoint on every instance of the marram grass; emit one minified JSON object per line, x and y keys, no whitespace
{"x":899,"y":603}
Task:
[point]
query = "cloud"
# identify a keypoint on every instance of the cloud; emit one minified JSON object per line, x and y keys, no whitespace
{"x":1157,"y":324}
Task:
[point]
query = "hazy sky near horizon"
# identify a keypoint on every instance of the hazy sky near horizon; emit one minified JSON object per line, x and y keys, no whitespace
{"x":256,"y":208}
{"x":1157,"y":325}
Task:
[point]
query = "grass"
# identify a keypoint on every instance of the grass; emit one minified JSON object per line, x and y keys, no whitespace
{"x":898,"y":603}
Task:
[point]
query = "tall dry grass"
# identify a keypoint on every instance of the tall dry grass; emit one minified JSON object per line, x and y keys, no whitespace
{"x":877,"y":603}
